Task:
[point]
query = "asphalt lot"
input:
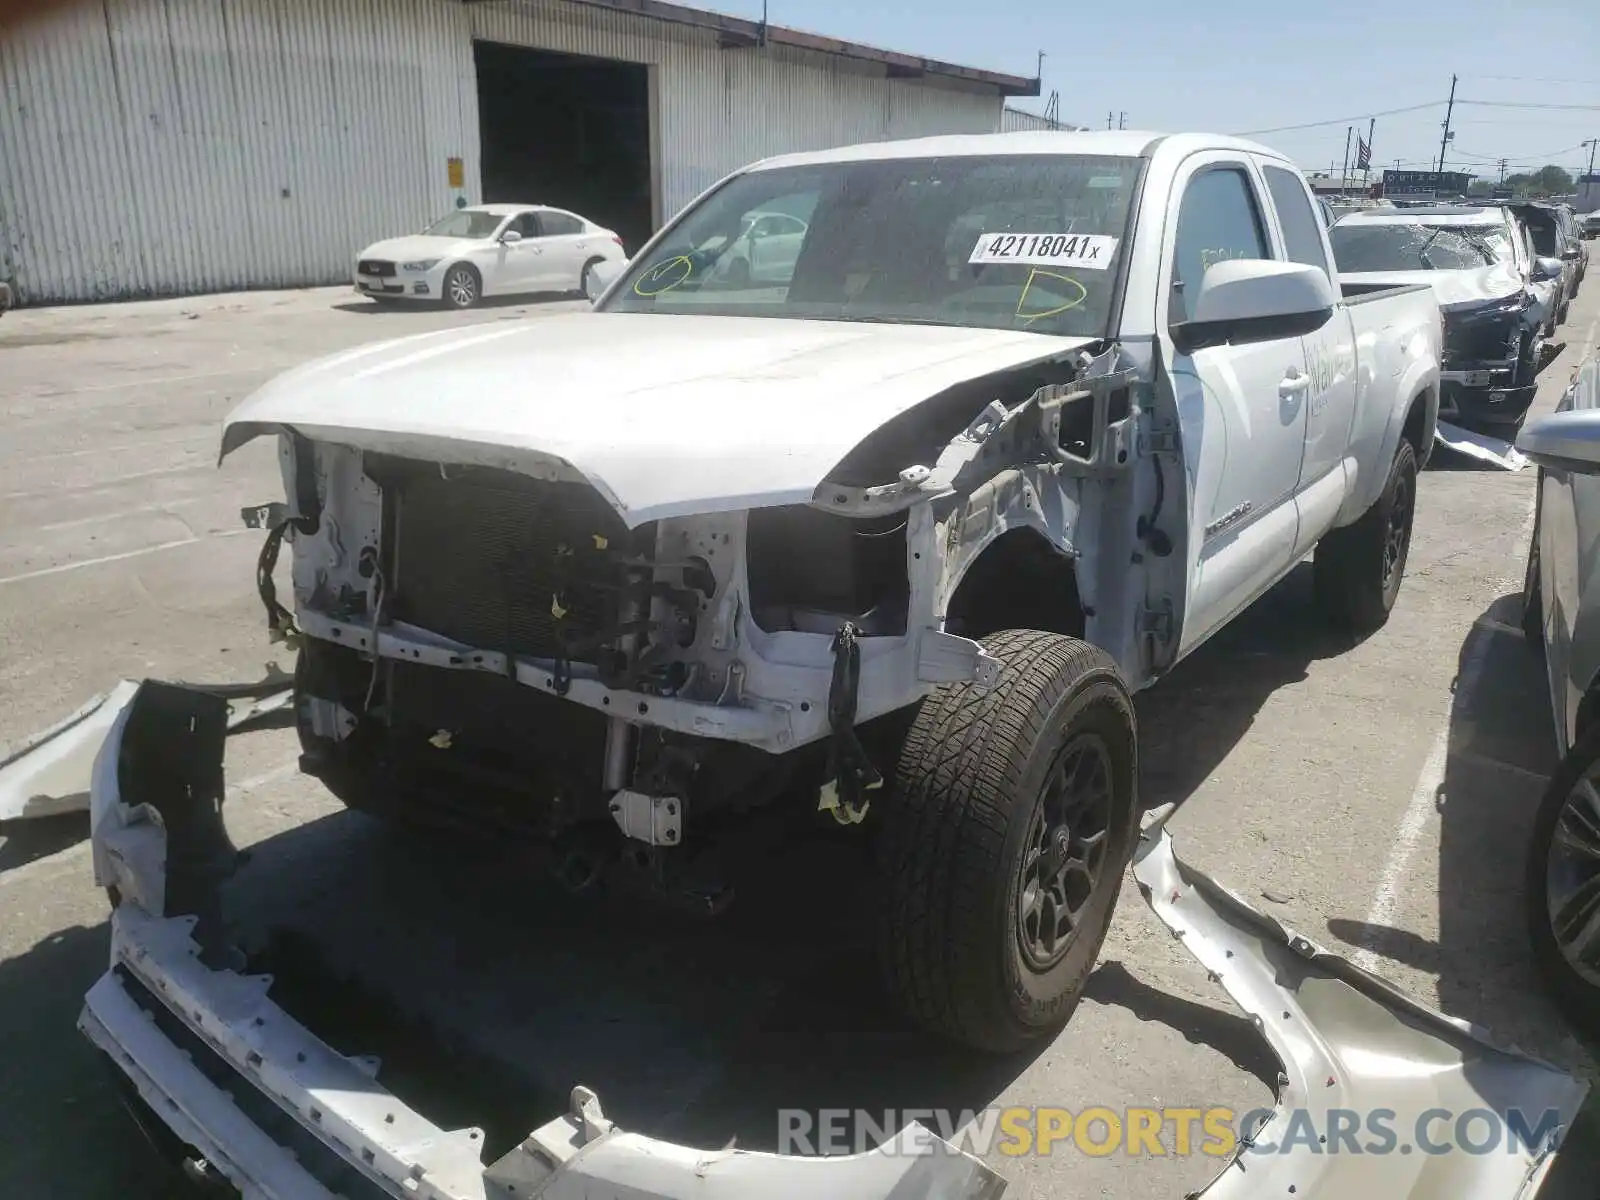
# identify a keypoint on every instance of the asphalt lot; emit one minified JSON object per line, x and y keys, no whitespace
{"x":1375,"y":796}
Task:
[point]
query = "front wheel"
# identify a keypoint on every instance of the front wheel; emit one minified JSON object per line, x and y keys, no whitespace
{"x":1357,"y":571}
{"x":1004,"y":841}
{"x":462,"y":287}
{"x":1562,"y":895}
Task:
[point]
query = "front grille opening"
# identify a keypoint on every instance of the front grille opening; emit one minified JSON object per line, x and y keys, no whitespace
{"x":1475,"y":343}
{"x":502,"y":562}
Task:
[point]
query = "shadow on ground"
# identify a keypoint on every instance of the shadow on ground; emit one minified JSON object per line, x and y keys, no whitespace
{"x":26,"y":841}
{"x":1499,"y":753}
{"x":373,"y":308}
{"x":1191,"y":721}
{"x":52,"y":1082}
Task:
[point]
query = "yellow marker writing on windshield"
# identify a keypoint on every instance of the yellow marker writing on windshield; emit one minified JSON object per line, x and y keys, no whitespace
{"x":664,"y":276}
{"x":1033,"y":274}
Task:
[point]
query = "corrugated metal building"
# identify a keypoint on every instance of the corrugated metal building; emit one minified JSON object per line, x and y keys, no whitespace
{"x":165,"y":147}
{"x":1015,"y":120}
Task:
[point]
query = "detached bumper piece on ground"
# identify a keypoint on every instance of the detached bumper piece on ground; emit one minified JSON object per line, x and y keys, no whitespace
{"x":48,"y":774}
{"x":260,"y":1105}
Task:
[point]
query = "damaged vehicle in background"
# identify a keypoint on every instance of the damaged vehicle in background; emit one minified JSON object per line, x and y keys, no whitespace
{"x":890,"y":539}
{"x":1488,"y":291}
{"x":1548,"y":231}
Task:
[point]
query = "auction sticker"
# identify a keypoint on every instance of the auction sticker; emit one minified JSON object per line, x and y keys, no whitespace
{"x":1093,"y":251}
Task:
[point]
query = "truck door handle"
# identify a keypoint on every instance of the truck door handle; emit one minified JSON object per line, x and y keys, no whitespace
{"x":1293,"y":383}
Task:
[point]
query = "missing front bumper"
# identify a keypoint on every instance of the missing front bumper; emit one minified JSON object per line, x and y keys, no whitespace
{"x":280,"y":1114}
{"x":284,"y":1117}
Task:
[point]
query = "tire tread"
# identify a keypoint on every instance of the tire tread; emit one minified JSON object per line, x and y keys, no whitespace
{"x":944,"y":837}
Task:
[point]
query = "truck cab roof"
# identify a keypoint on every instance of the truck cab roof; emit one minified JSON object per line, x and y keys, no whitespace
{"x":1110,"y":143}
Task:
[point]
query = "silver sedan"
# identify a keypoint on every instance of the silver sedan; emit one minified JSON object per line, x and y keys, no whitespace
{"x":1561,"y":608}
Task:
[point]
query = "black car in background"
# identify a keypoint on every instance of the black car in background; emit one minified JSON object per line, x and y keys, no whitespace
{"x":1496,"y":298}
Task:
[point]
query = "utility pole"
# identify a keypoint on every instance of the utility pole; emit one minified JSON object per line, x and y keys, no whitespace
{"x":1344,"y":174}
{"x":1110,"y":119}
{"x":1122,"y":120}
{"x":1502,"y":170}
{"x":1449,"y":108}
{"x":1366,"y":166}
{"x":1592,"y":143}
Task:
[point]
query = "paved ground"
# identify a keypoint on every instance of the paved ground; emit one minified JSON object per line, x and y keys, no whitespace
{"x":1376,"y":796}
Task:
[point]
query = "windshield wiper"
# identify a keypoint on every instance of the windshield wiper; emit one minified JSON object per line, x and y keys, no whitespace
{"x":1422,"y":251}
{"x":1482,"y":247}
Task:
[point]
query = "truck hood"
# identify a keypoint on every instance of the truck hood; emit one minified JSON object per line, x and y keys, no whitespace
{"x":417,"y":246}
{"x":664,"y":415}
{"x":1451,"y":287}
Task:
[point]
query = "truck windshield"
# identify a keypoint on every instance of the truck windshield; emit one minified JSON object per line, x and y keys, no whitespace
{"x":1016,"y":242}
{"x":1361,"y":247}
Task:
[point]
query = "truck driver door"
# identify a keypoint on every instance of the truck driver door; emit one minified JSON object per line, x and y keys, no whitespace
{"x":1242,"y":408}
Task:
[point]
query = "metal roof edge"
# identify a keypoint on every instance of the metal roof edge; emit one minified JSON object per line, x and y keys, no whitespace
{"x":738,"y":31}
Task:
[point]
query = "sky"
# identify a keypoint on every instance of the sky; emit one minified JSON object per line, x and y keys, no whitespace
{"x":1238,"y":66}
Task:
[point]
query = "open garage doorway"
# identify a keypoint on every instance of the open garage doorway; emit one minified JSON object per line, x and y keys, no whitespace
{"x":569,"y":131}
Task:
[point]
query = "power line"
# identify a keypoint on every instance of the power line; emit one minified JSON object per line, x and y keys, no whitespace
{"x":1345,"y":120}
{"x":1530,"y":104}
{"x":1525,"y":79}
{"x":1543,"y":157}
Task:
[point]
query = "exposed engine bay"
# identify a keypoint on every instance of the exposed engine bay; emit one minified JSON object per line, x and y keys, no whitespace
{"x":501,"y":650}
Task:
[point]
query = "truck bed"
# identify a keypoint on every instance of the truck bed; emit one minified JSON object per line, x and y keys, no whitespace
{"x":1361,"y":293}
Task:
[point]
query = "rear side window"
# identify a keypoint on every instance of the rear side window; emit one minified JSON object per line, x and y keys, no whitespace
{"x":1217,"y":220}
{"x":1302,"y":232}
{"x":558,"y":223}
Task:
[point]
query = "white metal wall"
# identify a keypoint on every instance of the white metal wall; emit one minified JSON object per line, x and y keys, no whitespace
{"x":160,"y":147}
{"x":1014,"y":120}
{"x":174,"y":146}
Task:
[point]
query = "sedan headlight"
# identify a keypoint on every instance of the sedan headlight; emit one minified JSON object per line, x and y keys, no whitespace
{"x":422,"y":264}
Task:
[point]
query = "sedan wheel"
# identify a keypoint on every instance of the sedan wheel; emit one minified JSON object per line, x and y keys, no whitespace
{"x":1563,"y":884}
{"x":460,"y":287}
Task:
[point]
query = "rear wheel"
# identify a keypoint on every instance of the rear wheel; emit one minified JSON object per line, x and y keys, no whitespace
{"x":1004,"y":841}
{"x":1358,"y":569}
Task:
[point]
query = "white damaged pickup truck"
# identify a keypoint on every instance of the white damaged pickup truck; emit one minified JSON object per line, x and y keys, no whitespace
{"x":890,"y":539}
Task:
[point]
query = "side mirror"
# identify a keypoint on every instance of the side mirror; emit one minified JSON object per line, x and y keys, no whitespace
{"x":1545,"y":270}
{"x":510,"y":237}
{"x":1567,"y":441}
{"x":1254,"y":300}
{"x":1571,"y":253}
{"x":600,"y":277}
